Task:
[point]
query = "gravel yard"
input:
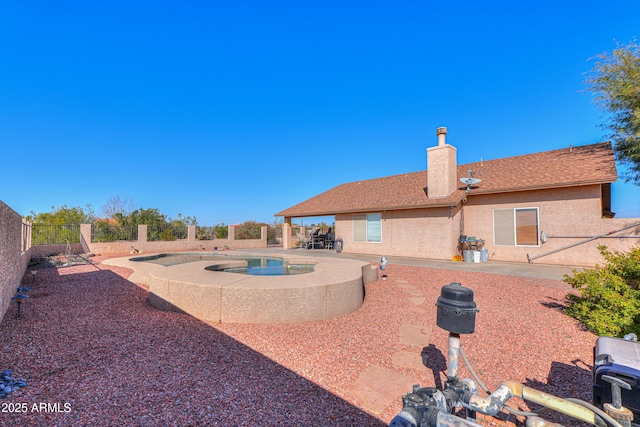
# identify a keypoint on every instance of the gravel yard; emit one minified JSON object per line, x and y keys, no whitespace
{"x":94,"y":353}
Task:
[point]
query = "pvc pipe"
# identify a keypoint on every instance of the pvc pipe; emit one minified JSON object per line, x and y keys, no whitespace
{"x":473,"y":389}
{"x":599,"y":412}
{"x":540,"y":422}
{"x":552,"y":402}
{"x":491,"y":404}
{"x":452,"y":360}
{"x":445,"y":419}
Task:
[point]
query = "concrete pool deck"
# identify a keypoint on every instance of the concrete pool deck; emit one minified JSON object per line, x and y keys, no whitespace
{"x":519,"y":269}
{"x":334,"y":288}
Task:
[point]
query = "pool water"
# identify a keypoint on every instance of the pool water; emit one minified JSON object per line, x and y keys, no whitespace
{"x":256,"y":265}
{"x":175,"y":259}
{"x":272,"y":270}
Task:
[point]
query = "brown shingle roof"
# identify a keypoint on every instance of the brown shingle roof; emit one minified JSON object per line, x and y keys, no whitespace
{"x":567,"y":167}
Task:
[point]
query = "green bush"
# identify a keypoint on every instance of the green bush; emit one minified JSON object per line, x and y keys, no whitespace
{"x":609,"y":300}
{"x":221,"y":231}
{"x":249,"y":230}
{"x":166,"y":235}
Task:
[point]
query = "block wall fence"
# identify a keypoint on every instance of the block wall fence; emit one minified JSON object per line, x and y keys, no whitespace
{"x":16,"y":250}
{"x":142,"y":245}
{"x":15,"y":254}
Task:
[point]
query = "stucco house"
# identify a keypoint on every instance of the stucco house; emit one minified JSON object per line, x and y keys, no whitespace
{"x":524,"y":207}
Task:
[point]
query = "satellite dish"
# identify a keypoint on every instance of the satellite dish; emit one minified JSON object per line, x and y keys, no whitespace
{"x":470,"y":181}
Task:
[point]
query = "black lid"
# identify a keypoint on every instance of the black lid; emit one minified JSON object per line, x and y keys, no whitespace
{"x":456,"y":296}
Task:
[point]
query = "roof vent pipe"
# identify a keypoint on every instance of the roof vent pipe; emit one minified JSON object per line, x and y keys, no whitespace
{"x":442,"y":135}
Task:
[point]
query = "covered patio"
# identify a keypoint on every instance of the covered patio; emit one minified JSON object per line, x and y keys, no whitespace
{"x":319,"y":235}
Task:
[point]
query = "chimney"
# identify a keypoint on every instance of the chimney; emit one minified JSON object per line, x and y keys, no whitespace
{"x":442,"y":135}
{"x":442,"y":174}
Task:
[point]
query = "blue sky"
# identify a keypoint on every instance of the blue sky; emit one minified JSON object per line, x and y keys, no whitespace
{"x":233,"y":111}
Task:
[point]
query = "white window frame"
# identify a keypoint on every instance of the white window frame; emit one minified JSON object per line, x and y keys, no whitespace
{"x":369,"y":226}
{"x":515,"y":226}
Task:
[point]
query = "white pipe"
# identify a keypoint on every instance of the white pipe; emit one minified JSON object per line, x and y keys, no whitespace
{"x":445,"y":419}
{"x":492,"y":404}
{"x":540,"y":422}
{"x":452,"y":360}
{"x":473,"y":389}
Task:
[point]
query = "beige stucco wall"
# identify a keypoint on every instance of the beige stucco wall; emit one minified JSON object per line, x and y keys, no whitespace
{"x":420,"y":233}
{"x":562,"y":212}
{"x":189,"y":244}
{"x":434,"y":233}
{"x":13,"y":261}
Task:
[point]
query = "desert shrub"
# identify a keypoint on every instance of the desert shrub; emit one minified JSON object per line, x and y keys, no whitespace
{"x":624,"y":265}
{"x":109,"y":231}
{"x":274,"y":234}
{"x":166,"y":235}
{"x":221,"y":231}
{"x":609,"y":300}
{"x":249,"y":230}
{"x":51,"y":234}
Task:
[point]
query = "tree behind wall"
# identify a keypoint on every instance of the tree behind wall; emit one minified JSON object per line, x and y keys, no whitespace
{"x":118,"y":204}
{"x":159,"y":227}
{"x":615,"y":82}
{"x":124,"y":226}
{"x":61,"y":225}
{"x":249,"y":230}
{"x":62,"y":215}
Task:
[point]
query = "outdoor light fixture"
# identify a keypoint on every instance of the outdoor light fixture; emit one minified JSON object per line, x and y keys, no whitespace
{"x":383,"y":265}
{"x":33,"y":275}
{"x":19,"y":298}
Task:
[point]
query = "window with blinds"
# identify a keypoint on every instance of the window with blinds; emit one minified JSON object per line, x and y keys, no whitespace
{"x":367,"y":227}
{"x":516,"y":227}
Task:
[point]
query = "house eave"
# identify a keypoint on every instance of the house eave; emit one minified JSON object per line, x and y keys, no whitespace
{"x":446,"y":202}
{"x":540,"y":187}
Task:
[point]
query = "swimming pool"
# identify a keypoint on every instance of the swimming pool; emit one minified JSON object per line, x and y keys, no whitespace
{"x":255,"y":265}
{"x":335,"y":286}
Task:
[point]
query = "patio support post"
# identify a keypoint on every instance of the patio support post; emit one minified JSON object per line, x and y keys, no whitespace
{"x":191,"y":234}
{"x":286,"y":233}
{"x":263,"y":235}
{"x":85,"y":237}
{"x":142,"y":237}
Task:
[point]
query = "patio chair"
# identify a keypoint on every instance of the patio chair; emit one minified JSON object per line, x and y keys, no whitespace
{"x":305,"y":242}
{"x":328,"y":243}
{"x":316,"y":239}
